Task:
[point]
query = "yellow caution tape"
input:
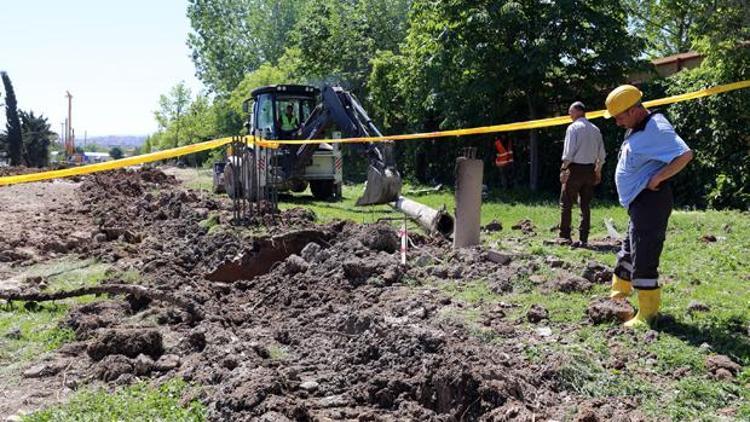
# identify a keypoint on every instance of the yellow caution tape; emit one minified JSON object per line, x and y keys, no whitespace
{"x":203,"y":146}
{"x":530,"y":124}
{"x":115,"y":164}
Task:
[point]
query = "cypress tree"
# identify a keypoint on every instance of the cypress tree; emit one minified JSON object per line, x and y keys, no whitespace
{"x":13,"y":124}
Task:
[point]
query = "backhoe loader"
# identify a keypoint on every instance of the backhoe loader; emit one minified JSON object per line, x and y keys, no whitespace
{"x":299,"y":112}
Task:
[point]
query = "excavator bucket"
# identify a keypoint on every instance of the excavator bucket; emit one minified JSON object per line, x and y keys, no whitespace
{"x":383,"y":186}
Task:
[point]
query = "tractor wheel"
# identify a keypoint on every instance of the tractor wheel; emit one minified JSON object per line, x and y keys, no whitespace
{"x":323,"y":189}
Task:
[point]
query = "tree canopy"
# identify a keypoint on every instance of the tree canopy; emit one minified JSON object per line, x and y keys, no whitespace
{"x":422,"y":65}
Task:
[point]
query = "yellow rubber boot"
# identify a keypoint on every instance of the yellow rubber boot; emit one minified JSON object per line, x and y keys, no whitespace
{"x":621,"y":288}
{"x":649,"y":302}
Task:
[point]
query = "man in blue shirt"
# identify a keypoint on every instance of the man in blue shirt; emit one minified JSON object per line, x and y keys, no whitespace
{"x":649,"y":156}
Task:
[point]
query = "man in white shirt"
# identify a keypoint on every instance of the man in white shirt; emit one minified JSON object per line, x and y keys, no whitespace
{"x":582,"y":160}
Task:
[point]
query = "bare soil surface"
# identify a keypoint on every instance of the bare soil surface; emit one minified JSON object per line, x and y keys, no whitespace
{"x":303,"y":322}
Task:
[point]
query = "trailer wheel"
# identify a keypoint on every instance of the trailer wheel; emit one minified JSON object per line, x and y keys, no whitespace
{"x":323,"y":189}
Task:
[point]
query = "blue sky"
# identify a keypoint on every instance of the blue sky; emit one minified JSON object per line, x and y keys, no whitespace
{"x":115,"y":57}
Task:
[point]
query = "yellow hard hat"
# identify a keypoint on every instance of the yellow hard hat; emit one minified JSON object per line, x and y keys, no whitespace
{"x":620,"y":99}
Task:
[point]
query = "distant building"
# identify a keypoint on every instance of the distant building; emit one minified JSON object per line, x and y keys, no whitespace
{"x":86,"y":157}
{"x":96,"y":157}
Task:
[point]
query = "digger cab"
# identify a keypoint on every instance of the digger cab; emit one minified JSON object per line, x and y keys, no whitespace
{"x":277,"y":111}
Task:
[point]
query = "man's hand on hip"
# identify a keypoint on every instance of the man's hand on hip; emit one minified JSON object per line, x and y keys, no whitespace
{"x":654,"y":182}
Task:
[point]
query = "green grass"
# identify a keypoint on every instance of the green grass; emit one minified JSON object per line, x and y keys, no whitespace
{"x":39,"y":324}
{"x":277,"y":352}
{"x":140,"y":402}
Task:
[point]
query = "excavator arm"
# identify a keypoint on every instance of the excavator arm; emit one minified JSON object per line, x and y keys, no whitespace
{"x":341,"y":108}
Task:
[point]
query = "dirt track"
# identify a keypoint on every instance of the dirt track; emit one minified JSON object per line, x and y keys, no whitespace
{"x":335,"y":329}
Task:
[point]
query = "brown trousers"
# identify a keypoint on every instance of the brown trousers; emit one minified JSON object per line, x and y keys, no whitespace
{"x":579,"y":188}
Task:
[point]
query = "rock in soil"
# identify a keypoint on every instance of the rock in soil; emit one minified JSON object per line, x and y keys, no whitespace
{"x":128,"y":342}
{"x":608,"y":310}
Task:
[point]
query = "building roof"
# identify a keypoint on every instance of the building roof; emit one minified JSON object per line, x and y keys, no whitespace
{"x":676,"y":58}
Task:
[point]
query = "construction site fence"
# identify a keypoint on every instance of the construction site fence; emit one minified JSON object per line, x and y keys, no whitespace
{"x":216,"y":143}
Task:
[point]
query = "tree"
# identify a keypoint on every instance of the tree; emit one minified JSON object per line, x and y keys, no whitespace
{"x":337,"y":40}
{"x":171,"y":107}
{"x":677,"y":26}
{"x":146,"y":145}
{"x":470,"y":63}
{"x":665,"y":24}
{"x":13,"y":137}
{"x":233,"y":37}
{"x":116,"y":153}
{"x":36,"y":136}
{"x":716,"y":127}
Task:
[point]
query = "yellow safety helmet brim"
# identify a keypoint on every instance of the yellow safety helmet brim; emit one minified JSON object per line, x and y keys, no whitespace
{"x":620,"y":99}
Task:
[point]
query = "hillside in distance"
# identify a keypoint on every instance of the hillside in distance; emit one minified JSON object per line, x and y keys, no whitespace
{"x":128,"y":141}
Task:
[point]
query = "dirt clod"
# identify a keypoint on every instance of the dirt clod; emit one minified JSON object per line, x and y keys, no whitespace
{"x":526,"y":227}
{"x":568,"y":283}
{"x":695,"y":306}
{"x":379,"y":237}
{"x":493,"y":226}
{"x":130,"y":343}
{"x":112,"y":367}
{"x":720,"y":365}
{"x":597,"y":273}
{"x":608,"y":310}
{"x":537,"y":313}
{"x":708,"y":238}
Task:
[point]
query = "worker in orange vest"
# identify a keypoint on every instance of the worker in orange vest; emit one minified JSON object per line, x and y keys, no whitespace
{"x":504,"y":149}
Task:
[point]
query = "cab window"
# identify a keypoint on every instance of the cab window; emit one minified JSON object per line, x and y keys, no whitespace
{"x":265,"y":114}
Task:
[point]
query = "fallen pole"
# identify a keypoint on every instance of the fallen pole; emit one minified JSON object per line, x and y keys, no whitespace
{"x":432,"y":220}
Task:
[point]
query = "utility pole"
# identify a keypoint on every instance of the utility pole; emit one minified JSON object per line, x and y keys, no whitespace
{"x":70,"y":144}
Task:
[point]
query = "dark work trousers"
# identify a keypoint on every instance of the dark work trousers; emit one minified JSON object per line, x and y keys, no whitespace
{"x":579,"y":188}
{"x":638,"y":260}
